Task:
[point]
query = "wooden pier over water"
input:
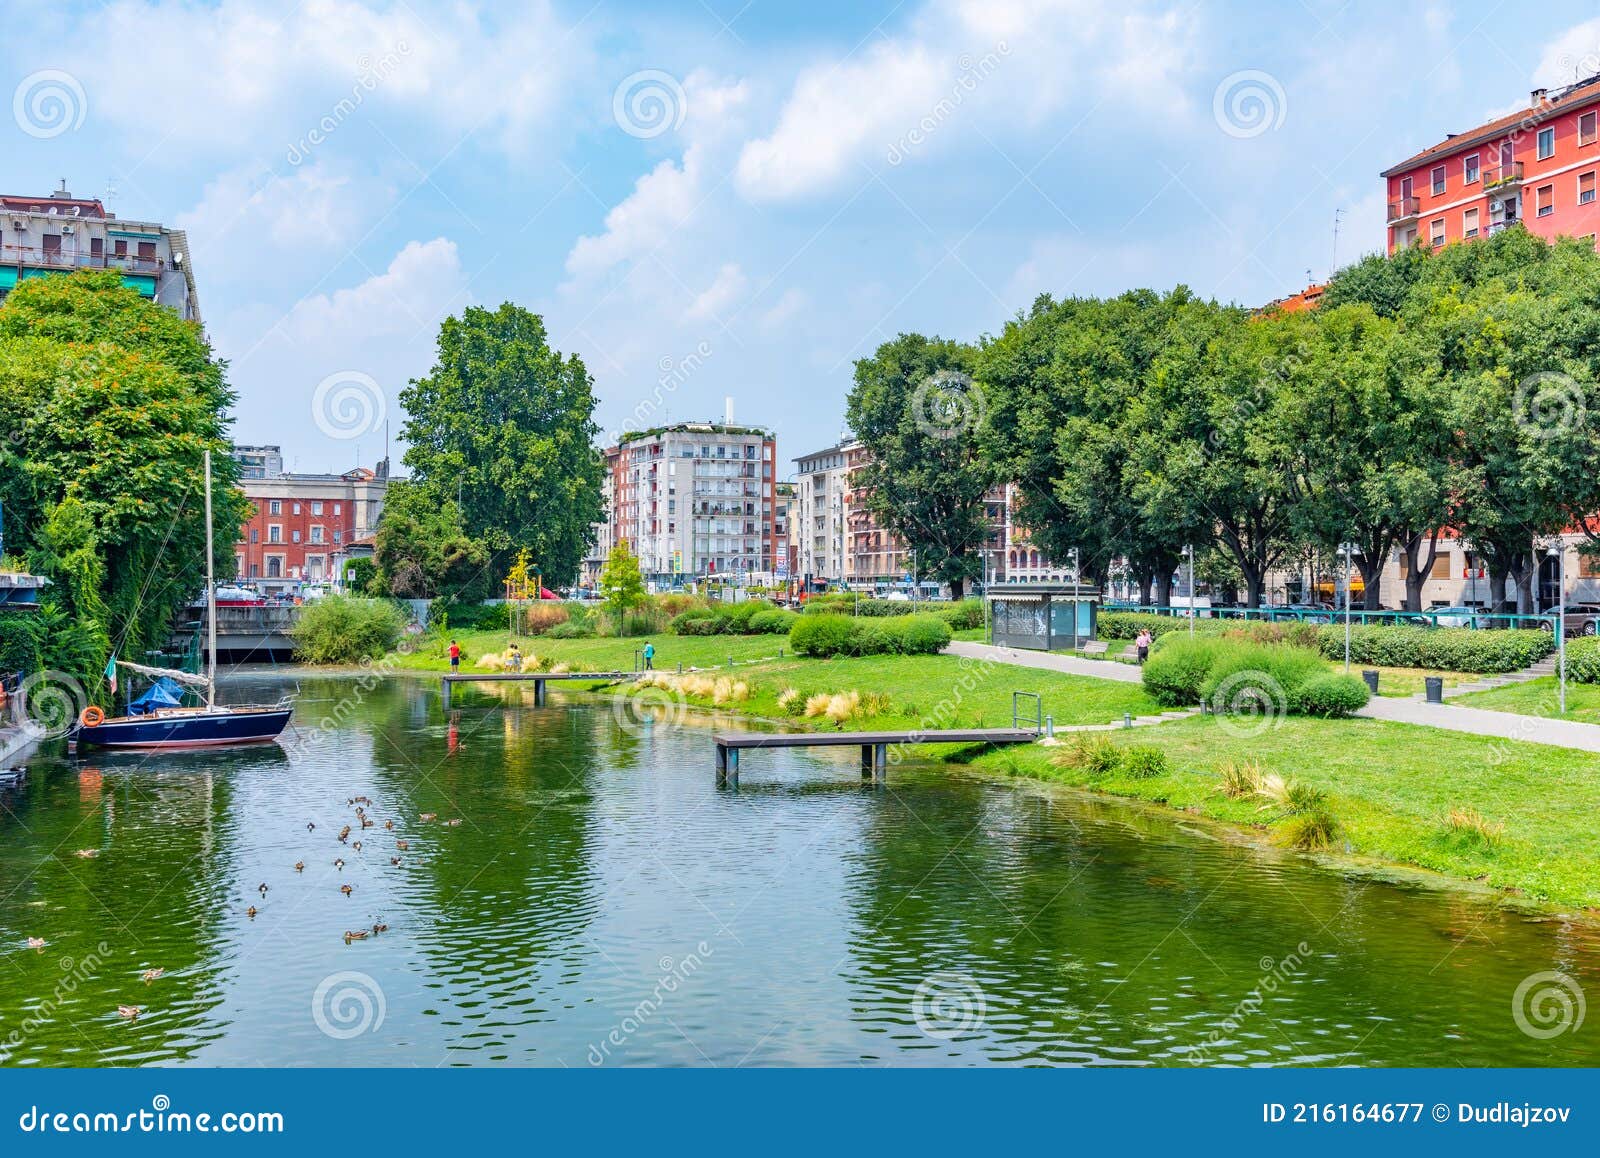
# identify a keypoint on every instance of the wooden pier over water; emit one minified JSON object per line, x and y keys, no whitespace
{"x":874,"y":745}
{"x":537,"y":678}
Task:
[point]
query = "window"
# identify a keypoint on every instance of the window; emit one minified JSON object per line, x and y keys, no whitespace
{"x":147,"y":251}
{"x":1586,"y":187}
{"x":255,"y":534}
{"x":316,"y":535}
{"x":336,"y":508}
{"x":1545,"y":199}
{"x":275,"y":507}
{"x":1586,"y":129}
{"x":316,"y":508}
{"x":1469,"y":172}
{"x":1436,"y":232}
{"x":1438,"y":180}
{"x":97,"y":246}
{"x":294,"y":536}
{"x":120,"y":248}
{"x":275,"y":533}
{"x":1547,"y":144}
{"x":297,"y":508}
{"x":1469,"y":223}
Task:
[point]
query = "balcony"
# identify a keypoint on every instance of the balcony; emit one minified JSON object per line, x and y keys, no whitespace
{"x":1404,"y":209}
{"x":33,"y":256}
{"x":1502,"y":177}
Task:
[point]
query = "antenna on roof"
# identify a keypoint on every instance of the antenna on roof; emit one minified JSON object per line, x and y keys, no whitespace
{"x":1334,"y":268}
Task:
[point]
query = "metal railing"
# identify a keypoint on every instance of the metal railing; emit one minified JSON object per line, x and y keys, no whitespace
{"x":1405,"y":207}
{"x":1503,"y":175}
{"x":1476,"y":619}
{"x":57,"y":259}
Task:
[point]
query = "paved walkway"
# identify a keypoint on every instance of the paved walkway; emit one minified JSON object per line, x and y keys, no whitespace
{"x":1450,"y":717}
{"x":1104,"y":669}
{"x":1481,"y":722}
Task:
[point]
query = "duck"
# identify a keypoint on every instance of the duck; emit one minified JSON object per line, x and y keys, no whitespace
{"x":430,"y":816}
{"x":262,"y":888}
{"x":356,"y":845}
{"x":453,"y":823}
{"x":299,"y":866}
{"x":389,"y":824}
{"x":344,"y":832}
{"x":366,"y":823}
{"x":346,"y":889}
{"x":354,"y":935}
{"x":379,"y":928}
{"x":128,"y":1011}
{"x":36,"y":942}
{"x":151,"y":974}
{"x":251,"y":912}
{"x":87,"y":852}
{"x":403,"y":845}
{"x":311,"y":826}
{"x":394,"y":860}
{"x":338,"y":862}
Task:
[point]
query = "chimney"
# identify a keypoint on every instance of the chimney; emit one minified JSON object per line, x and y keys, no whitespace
{"x":727,"y":409}
{"x":1536,"y":97}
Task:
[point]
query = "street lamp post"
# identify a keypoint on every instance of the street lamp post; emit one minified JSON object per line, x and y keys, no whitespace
{"x":1349,"y":549}
{"x":1188,"y":553}
{"x":1559,"y":554}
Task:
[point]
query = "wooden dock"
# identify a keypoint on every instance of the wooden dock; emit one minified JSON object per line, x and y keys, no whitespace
{"x":874,"y":745}
{"x":537,"y":678}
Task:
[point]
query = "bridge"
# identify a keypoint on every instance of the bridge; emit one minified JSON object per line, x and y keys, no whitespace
{"x":537,"y":678}
{"x":874,"y":745}
{"x":244,"y":634}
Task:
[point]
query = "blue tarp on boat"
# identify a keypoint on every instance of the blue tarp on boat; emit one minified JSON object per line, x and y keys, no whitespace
{"x":164,"y":693}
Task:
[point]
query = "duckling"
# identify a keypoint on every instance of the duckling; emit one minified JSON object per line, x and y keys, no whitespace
{"x":338,"y":862}
{"x":389,"y":824}
{"x":354,"y":935}
{"x":379,"y":928}
{"x":403,"y":845}
{"x":430,"y":816}
{"x":346,"y":889}
{"x":151,"y":974}
{"x":128,"y":1011}
{"x":299,"y":866}
{"x":87,"y":852}
{"x":36,"y":942}
{"x":251,"y":912}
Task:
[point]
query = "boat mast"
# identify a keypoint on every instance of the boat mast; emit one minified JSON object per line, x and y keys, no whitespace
{"x":211,"y":600}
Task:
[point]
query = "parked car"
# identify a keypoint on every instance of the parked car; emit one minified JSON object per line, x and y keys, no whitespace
{"x":1458,"y":617}
{"x":1581,"y":619}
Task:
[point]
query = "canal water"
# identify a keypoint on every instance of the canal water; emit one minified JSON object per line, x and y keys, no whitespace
{"x":602,"y":902}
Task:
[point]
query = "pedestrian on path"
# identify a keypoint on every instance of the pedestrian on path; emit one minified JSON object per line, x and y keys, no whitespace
{"x":649,"y":656}
{"x":1142,"y":645}
{"x":455,"y":657}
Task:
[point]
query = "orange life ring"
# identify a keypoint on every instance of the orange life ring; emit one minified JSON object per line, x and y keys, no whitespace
{"x":92,"y":717}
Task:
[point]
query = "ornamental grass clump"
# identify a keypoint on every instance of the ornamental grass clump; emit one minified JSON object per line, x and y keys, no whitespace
{"x":1092,"y":753}
{"x":1467,"y":827}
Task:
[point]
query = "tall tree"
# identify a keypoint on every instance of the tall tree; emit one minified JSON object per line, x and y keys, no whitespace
{"x":621,"y":583}
{"x":504,"y":426}
{"x":915,"y":407}
{"x":422,"y":550}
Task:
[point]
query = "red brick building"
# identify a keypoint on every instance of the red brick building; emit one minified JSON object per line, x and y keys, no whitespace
{"x":302,"y":526}
{"x":1537,"y":166}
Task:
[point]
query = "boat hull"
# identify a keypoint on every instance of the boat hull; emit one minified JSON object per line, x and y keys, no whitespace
{"x":191,"y":730}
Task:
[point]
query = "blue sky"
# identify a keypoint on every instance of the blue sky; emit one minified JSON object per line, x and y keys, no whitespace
{"x":737,"y":198}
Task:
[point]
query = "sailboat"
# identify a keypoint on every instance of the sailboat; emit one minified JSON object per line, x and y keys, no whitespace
{"x":159,"y":719}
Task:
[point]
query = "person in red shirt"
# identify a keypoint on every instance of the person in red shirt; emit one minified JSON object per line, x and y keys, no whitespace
{"x":455,"y":656}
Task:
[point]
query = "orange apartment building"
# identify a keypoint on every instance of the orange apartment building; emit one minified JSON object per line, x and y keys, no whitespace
{"x":1538,"y":166}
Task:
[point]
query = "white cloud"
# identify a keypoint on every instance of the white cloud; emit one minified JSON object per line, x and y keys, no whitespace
{"x":1570,"y":57}
{"x":661,"y":201}
{"x":267,"y":73}
{"x":413,"y":294}
{"x":994,"y":66}
{"x":725,"y":289}
{"x":788,"y":306}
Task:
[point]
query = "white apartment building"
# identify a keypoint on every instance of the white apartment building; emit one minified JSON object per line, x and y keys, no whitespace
{"x":695,"y":502}
{"x":821,"y":513}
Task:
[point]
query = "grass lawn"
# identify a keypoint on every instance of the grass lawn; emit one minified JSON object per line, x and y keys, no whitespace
{"x":1405,"y":681}
{"x":1391,"y":787}
{"x":1539,"y":697}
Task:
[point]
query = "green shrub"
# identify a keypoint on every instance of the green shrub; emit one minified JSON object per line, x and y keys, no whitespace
{"x":775,"y":621}
{"x":1142,"y":762}
{"x":1175,"y":672}
{"x":1257,"y":677}
{"x":1309,"y":831}
{"x":923,"y":634}
{"x":1128,"y":624}
{"x":1330,"y":696}
{"x":964,"y":616}
{"x":821,"y":635}
{"x":699,"y":621}
{"x":1583,"y":660}
{"x":21,"y":642}
{"x":345,"y":629}
{"x":570,"y":630}
{"x":1439,"y":649}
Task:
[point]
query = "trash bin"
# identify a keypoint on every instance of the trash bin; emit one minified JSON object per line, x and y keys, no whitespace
{"x":1372,"y":681}
{"x":1435,"y":688}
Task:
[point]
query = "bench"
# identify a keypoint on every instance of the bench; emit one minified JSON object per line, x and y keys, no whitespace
{"x":1095,"y":647}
